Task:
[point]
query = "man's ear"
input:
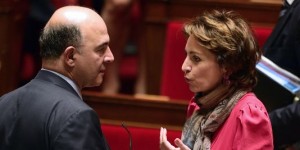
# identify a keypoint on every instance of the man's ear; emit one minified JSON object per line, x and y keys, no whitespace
{"x":69,"y":56}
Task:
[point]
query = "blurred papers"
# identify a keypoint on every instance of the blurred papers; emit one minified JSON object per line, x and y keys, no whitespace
{"x":286,"y":79}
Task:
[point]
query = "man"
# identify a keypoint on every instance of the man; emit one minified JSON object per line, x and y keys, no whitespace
{"x":48,"y":112}
{"x":283,"y":47}
{"x":285,"y":124}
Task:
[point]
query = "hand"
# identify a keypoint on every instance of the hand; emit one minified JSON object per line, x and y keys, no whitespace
{"x":166,"y":145}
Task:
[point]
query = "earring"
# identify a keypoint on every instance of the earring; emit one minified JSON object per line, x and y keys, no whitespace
{"x":226,"y":80}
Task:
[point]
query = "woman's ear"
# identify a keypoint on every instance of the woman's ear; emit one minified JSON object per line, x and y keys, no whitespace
{"x":226,"y":71}
{"x":69,"y":56}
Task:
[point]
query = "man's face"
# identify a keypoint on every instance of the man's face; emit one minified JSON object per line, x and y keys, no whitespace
{"x":92,"y":55}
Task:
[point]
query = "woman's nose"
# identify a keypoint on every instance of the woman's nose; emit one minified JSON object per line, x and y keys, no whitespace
{"x":186,"y":68}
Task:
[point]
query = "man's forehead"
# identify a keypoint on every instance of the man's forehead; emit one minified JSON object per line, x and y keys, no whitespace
{"x":75,"y":16}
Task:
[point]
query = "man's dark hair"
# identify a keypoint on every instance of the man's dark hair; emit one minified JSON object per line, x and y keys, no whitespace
{"x":55,"y":39}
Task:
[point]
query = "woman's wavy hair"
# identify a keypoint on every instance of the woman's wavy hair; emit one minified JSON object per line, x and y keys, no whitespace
{"x":230,"y":38}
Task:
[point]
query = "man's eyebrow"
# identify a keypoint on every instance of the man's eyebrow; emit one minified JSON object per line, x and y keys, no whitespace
{"x":102,"y":45}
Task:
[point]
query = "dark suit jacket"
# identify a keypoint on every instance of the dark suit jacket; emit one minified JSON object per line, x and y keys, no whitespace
{"x":47,"y":114}
{"x":283,"y":45}
{"x":285,"y":123}
{"x":283,"y":48}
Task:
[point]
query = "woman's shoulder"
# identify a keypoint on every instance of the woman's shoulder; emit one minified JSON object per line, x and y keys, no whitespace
{"x":250,"y":105}
{"x":249,"y":100}
{"x":247,"y":122}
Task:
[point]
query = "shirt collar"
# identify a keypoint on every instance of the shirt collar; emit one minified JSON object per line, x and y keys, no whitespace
{"x":71,"y":82}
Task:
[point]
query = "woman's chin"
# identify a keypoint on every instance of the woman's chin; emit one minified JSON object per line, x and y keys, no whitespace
{"x":193,"y":90}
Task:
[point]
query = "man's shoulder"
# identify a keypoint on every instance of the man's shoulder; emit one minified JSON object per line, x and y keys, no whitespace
{"x":52,"y":98}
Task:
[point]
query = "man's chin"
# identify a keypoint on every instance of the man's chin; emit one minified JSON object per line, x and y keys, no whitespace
{"x":95,"y":84}
{"x":98,"y":82}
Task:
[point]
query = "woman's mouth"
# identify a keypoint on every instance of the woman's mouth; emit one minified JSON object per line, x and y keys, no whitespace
{"x":187,"y":80}
{"x":102,"y":71}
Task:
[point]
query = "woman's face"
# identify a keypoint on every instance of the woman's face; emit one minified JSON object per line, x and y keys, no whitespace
{"x":200,"y":67}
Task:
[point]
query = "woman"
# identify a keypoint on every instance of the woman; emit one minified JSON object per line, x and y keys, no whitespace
{"x":220,"y":69}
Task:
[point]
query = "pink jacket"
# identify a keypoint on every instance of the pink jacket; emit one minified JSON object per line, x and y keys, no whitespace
{"x":248,"y":127}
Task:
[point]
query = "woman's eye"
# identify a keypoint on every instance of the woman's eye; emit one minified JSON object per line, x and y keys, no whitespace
{"x":195,"y":58}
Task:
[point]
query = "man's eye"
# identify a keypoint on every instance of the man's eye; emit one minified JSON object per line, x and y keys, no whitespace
{"x":101,"y":50}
